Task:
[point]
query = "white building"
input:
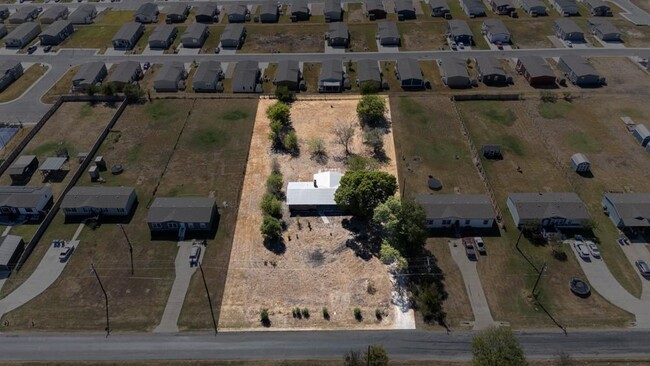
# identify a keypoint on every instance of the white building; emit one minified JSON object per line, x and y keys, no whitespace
{"x":317,"y":195}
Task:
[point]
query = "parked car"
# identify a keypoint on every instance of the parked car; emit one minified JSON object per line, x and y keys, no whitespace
{"x":146,"y":65}
{"x":453,"y":46}
{"x":643,"y":268}
{"x":480,"y":246}
{"x":569,"y":44}
{"x":217,"y":49}
{"x":65,"y":253}
{"x":461,"y":45}
{"x":593,"y":249}
{"x":195,"y":255}
{"x":47,"y":49}
{"x":468,"y":243}
{"x":32,"y":49}
{"x":582,"y":250}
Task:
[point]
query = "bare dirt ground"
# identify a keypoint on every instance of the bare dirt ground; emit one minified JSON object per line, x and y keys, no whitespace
{"x":316,"y":269}
{"x":307,"y":38}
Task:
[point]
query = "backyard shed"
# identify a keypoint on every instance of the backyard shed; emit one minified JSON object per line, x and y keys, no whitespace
{"x":641,"y":134}
{"x":460,"y":32}
{"x":84,"y":14}
{"x":90,"y":73}
{"x":331,"y":77}
{"x":11,"y":247}
{"x":233,"y":36}
{"x":604,"y":30}
{"x":269,"y":13}
{"x":473,"y":8}
{"x":579,"y":71}
{"x":568,"y":30}
{"x":439,"y":8}
{"x":207,"y":12}
{"x":128,"y":36}
{"x":491,"y":151}
{"x":375,"y":9}
{"x":404,"y":9}
{"x":170,"y":77}
{"x":547,"y":209}
{"x":207,"y":77}
{"x":177,"y":13}
{"x":56,"y":33}
{"x":195,"y":35}
{"x":315,"y":196}
{"x":162,"y":37}
{"x":534,"y":7}
{"x":333,"y":11}
{"x":238,"y":13}
{"x":490,"y":71}
{"x":566,"y":8}
{"x":24,"y":14}
{"x":580,"y":163}
{"x":457,"y":210}
{"x":536,"y":70}
{"x":10,"y":71}
{"x":454,"y":73}
{"x":99,"y":201}
{"x":182,"y":215}
{"x":23,"y":168}
{"x":288,"y":74}
{"x":22,"y":35}
{"x":54,"y":13}
{"x":146,"y":13}
{"x":125,"y":72}
{"x":247,"y":77}
{"x":495,"y":31}
{"x":388,"y":34}
{"x":628,"y":210}
{"x":338,"y":34}
{"x":409,"y":74}
{"x":24,"y":202}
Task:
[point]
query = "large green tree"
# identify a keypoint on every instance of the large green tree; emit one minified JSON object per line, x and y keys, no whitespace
{"x":497,"y":347}
{"x":280,"y":112}
{"x":360,"y":191}
{"x":371,"y":109}
{"x":404,"y":222}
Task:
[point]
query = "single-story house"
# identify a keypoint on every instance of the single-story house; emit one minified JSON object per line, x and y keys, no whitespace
{"x":207,"y":77}
{"x":333,"y":11}
{"x":247,"y":77}
{"x":566,"y":8}
{"x":24,"y":202}
{"x":3,"y":30}
{"x":404,"y":9}
{"x":84,"y":14}
{"x":128,"y":36}
{"x":316,"y":195}
{"x":598,"y":8}
{"x":641,"y":134}
{"x":454,"y":73}
{"x":54,"y":13}
{"x":490,"y":71}
{"x":604,"y":30}
{"x":4,"y":12}
{"x":579,"y":71}
{"x":162,"y":37}
{"x":439,"y":8}
{"x":473,"y":8}
{"x":10,"y":71}
{"x":369,"y":73}
{"x":568,"y":30}
{"x":24,"y":14}
{"x":388,"y":34}
{"x":628,"y":210}
{"x":207,"y":12}
{"x":233,"y":36}
{"x":375,"y":9}
{"x":170,"y":76}
{"x":56,"y":33}
{"x":125,"y":72}
{"x":99,"y":201}
{"x":182,"y":215}
{"x":11,"y":248}
{"x":409,"y":74}
{"x":338,"y":34}
{"x":22,"y":35}
{"x":300,"y":10}
{"x":195,"y":35}
{"x":331,"y":77}
{"x":502,"y":7}
{"x":460,"y":32}
{"x":561,"y":210}
{"x":238,"y":13}
{"x":536,"y":70}
{"x":146,"y":13}
{"x":23,"y":168}
{"x":496,"y":31}
{"x":288,"y":74}
{"x":269,"y":13}
{"x":177,"y":13}
{"x":457,"y":210}
{"x":90,"y":73}
{"x":534,"y":7}
{"x":580,"y":163}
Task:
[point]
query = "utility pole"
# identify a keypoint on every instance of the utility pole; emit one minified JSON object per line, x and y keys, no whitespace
{"x":130,"y":246}
{"x":108,"y":325}
{"x":214,"y":320}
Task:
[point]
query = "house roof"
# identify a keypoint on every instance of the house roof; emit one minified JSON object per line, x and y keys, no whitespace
{"x":368,"y":70}
{"x":232,"y":32}
{"x":595,"y":3}
{"x":124,"y":71}
{"x":374,"y":5}
{"x":459,"y":28}
{"x":162,"y":33}
{"x":454,"y":67}
{"x":7,"y":65}
{"x":603,"y":26}
{"x":83,"y":11}
{"x":269,"y":8}
{"x":207,"y":72}
{"x":56,"y":28}
{"x":339,"y":30}
{"x":489,"y":65}
{"x":170,"y":71}
{"x":308,"y":193}
{"x":207,"y":9}
{"x":97,"y":197}
{"x":181,"y":209}
{"x":176,"y":9}
{"x":404,"y":5}
{"x":568,"y":26}
{"x":239,"y":9}
{"x":387,"y":30}
{"x":23,"y":12}
{"x":194,"y":31}
{"x":147,"y":9}
{"x":332,"y":6}
{"x":21,"y":31}
{"x":579,"y":65}
{"x":536,"y":66}
{"x":642,"y":130}
{"x":567,"y":5}
{"x":127,"y":30}
{"x":409,"y":69}
{"x":299,"y":6}
{"x":537,"y":206}
{"x":461,"y":206}
{"x":246,"y":73}
{"x":474,"y":6}
{"x":331,"y":70}
{"x":8,"y":246}
{"x":288,"y":70}
{"x":438,"y":4}
{"x":22,"y":196}
{"x":495,"y":26}
{"x":89,"y":71}
{"x":21,"y":163}
{"x":632,"y":208}
{"x":579,"y":158}
{"x":55,"y":11}
{"x":501,"y":3}
{"x":52,"y":163}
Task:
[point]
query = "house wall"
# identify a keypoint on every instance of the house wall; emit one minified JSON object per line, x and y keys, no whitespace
{"x":498,"y":37}
{"x":613,"y":214}
{"x":451,"y":221}
{"x":457,"y":82}
{"x":89,"y":211}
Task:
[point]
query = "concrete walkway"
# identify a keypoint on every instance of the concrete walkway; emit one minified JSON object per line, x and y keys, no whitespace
{"x":480,"y":308}
{"x":632,"y":12}
{"x":168,"y":323}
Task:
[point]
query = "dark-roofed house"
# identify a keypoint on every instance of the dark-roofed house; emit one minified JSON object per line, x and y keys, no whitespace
{"x":496,"y":31}
{"x":23,"y":168}
{"x":331,"y":77}
{"x":388,"y":34}
{"x":288,"y":74}
{"x":459,"y":31}
{"x":300,"y":10}
{"x":369,"y":74}
{"x":207,"y":78}
{"x":628,"y":210}
{"x":404,"y":9}
{"x":11,"y":247}
{"x":561,"y":210}
{"x":238,"y":13}
{"x":10,"y":71}
{"x":579,"y":71}
{"x":24,"y":202}
{"x":490,"y":71}
{"x":269,"y":13}
{"x":170,"y":77}
{"x":182,"y":215}
{"x":473,"y":8}
{"x":4,"y":12}
{"x":333,"y":11}
{"x":454,"y":73}
{"x":56,"y":33}
{"x":54,"y":13}
{"x":233,"y":36}
{"x":568,"y":30}
{"x":146,"y":13}
{"x":534,"y":7}
{"x":99,"y":200}
{"x":90,"y":73}
{"x":641,"y":134}
{"x":247,"y":77}
{"x":177,"y":13}
{"x":439,"y":8}
{"x":316,"y":195}
{"x":598,"y":8}
{"x":3,"y":30}
{"x":207,"y":12}
{"x":536,"y":70}
{"x":128,"y":36}
{"x":566,"y":8}
{"x":338,"y":34}
{"x":22,"y":35}
{"x":195,"y":35}
{"x":375,"y":9}
{"x":580,"y":163}
{"x":604,"y":30}
{"x":459,"y":210}
{"x":162,"y":37}
{"x":24,"y":14}
{"x":84,"y":14}
{"x":125,"y":72}
{"x":502,"y":7}
{"x":409,"y":74}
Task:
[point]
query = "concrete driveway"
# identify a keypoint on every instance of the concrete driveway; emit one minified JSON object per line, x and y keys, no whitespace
{"x":634,"y":252}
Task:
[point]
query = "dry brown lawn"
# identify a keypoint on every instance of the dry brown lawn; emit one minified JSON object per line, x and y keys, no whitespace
{"x":420,"y":36}
{"x":18,"y":87}
{"x":62,"y":87}
{"x":284,"y":38}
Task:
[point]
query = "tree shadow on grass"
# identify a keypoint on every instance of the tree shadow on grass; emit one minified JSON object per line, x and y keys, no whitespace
{"x":366,"y":239}
{"x":276,"y":246}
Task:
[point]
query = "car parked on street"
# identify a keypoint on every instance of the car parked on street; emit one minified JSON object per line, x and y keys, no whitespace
{"x":582,"y":250}
{"x":593,"y":249}
{"x":66,"y":252}
{"x":643,"y":267}
{"x":480,"y":245}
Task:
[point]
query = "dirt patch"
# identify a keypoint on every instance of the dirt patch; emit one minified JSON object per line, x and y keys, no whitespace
{"x":308,"y":38}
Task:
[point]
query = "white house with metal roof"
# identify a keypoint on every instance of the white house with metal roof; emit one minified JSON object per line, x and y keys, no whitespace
{"x":317,"y":195}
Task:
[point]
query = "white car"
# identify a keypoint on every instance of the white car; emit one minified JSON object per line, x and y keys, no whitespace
{"x":461,"y":45}
{"x":569,"y":44}
{"x":65,"y":253}
{"x":453,"y":46}
{"x":593,"y":249}
{"x":582,"y":250}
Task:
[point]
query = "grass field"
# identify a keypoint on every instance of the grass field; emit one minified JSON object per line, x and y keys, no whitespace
{"x":92,"y":36}
{"x":362,"y":38}
{"x":18,"y":87}
{"x":290,"y":38}
{"x":311,"y":73}
{"x":213,"y":39}
{"x":530,"y":33}
{"x":420,"y":36}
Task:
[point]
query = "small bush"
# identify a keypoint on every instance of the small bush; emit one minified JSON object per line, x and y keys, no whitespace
{"x":374,"y":139}
{"x":392,"y":257}
{"x":275,"y":167}
{"x":316,"y":147}
{"x":305,"y":313}
{"x":326,"y":313}
{"x":274,"y":183}
{"x":371,"y":109}
{"x":264,"y":317}
{"x":548,"y":97}
{"x":133,"y":93}
{"x":275,"y":135}
{"x":357,"y":314}
{"x":271,"y":206}
{"x":290,"y":142}
{"x":283,"y":94}
{"x":280,"y":112}
{"x":360,"y":163}
{"x":271,"y":228}
{"x":378,"y":314}
{"x":559,"y":253}
{"x":369,"y":87}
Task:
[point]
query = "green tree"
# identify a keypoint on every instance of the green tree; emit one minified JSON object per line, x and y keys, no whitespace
{"x":271,"y":205}
{"x":376,"y":356}
{"x":279,"y":112}
{"x":369,"y":87}
{"x":91,"y":90}
{"x":275,"y":136}
{"x":274,"y":183}
{"x":428,"y":298}
{"x":133,"y":93}
{"x":271,"y":228}
{"x":392,"y":257}
{"x":108,"y":89}
{"x":497,"y":347}
{"x":371,"y":109}
{"x":374,"y":138}
{"x":359,"y":192}
{"x":290,"y":142}
{"x":353,"y":358}
{"x":283,"y":93}
{"x":404,"y":222}
{"x":358,"y":162}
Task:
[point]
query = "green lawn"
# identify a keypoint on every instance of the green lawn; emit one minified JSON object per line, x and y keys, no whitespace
{"x":363,"y":38}
{"x":555,"y":110}
{"x":289,"y":38}
{"x":18,"y":87}
{"x":114,"y":17}
{"x":92,"y":36}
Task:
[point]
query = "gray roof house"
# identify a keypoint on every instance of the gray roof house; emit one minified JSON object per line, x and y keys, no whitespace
{"x":473,"y":8}
{"x":495,"y":31}
{"x":162,"y":37}
{"x":4,"y":12}
{"x":316,"y":195}
{"x":579,"y":71}
{"x":182,"y":215}
{"x":580,"y":163}
{"x":598,"y":8}
{"x":388,"y":34}
{"x":368,"y":72}
{"x":195,"y":35}
{"x":338,"y":34}
{"x":331,"y":77}
{"x":641,"y":134}
{"x":288,"y":74}
{"x":300,"y":10}
{"x":3,"y":30}
{"x":269,"y":13}
{"x":146,"y":13}
{"x":11,"y":248}
{"x":24,"y":14}
{"x":536,"y":70}
{"x":238,"y":13}
{"x":208,"y":76}
{"x":233,"y":36}
{"x":568,"y":30}
{"x":170,"y":76}
{"x":628,"y":210}
{"x":439,"y":8}
{"x":566,"y":8}
{"x":454,"y":73}
{"x":54,"y":13}
{"x":562,"y":210}
{"x":84,"y":14}
{"x":490,"y":71}
{"x":91,"y":73}
{"x":125,"y":72}
{"x":375,"y":9}
{"x":98,"y":201}
{"x":128,"y":36}
{"x":177,"y":13}
{"x":24,"y":201}
{"x":207,"y":12}
{"x":459,"y":210}
{"x":502,"y":7}
{"x":604,"y":30}
{"x":460,"y":32}
{"x":56,"y":33}
{"x":409,"y":74}
{"x":333,"y":11}
{"x":10,"y":71}
{"x":404,"y":9}
{"x":23,"y":168}
{"x":247,"y":77}
{"x":534,"y":7}
{"x":22,"y":35}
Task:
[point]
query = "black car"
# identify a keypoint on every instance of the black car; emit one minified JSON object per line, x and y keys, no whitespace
{"x":32,"y":49}
{"x":47,"y":49}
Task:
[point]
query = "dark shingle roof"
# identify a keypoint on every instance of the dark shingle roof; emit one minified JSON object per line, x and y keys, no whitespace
{"x":462,"y":206}
{"x":98,"y":197}
{"x":288,"y":70}
{"x":579,"y":65}
{"x":331,"y":70}
{"x":632,"y":208}
{"x":536,"y":66}
{"x":22,"y":196}
{"x":368,"y":70}
{"x":409,"y":69}
{"x":535,"y":206}
{"x":181,"y":209}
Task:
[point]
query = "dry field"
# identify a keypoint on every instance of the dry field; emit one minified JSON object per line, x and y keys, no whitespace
{"x":62,"y":87}
{"x":315,"y":268}
{"x":18,"y":87}
{"x":284,"y":38}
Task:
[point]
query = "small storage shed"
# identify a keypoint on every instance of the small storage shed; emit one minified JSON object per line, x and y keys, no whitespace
{"x":642,"y":135}
{"x":491,"y":151}
{"x":580,"y":163}
{"x":23,"y":168}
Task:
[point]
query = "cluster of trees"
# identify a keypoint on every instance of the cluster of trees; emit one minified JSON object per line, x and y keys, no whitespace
{"x":271,"y":205}
{"x":371,"y":111}
{"x":132,"y":92}
{"x":375,"y":355}
{"x":282,"y":135}
{"x":497,"y":347}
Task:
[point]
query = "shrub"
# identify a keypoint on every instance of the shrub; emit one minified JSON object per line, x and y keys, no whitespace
{"x":108,"y":89}
{"x":283,"y":93}
{"x":371,"y":109}
{"x":374,"y":138}
{"x":280,"y":112}
{"x":290,"y":142}
{"x":274,"y":183}
{"x":376,"y":356}
{"x":264,"y":317}
{"x":271,"y":206}
{"x":91,"y":90}
{"x":275,"y":166}
{"x":271,"y":228}
{"x":369,"y":87}
{"x":429,"y":302}
{"x":378,"y":314}
{"x":361,"y":163}
{"x":295,"y":312}
{"x":316,"y":147}
{"x":133,"y":93}
{"x":305,"y":313}
{"x":326,"y":313}
{"x":392,"y":257}
{"x":357,"y":314}
{"x":275,"y":135}
{"x":548,"y":97}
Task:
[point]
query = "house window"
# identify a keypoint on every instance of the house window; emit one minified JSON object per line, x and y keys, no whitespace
{"x":121,"y":210}
{"x":203,"y":225}
{"x":156,"y":225}
{"x":446,"y":222}
{"x":467,"y":222}
{"x":429,"y":222}
{"x":190,"y":225}
{"x":485,"y":222}
{"x":172,"y":225}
